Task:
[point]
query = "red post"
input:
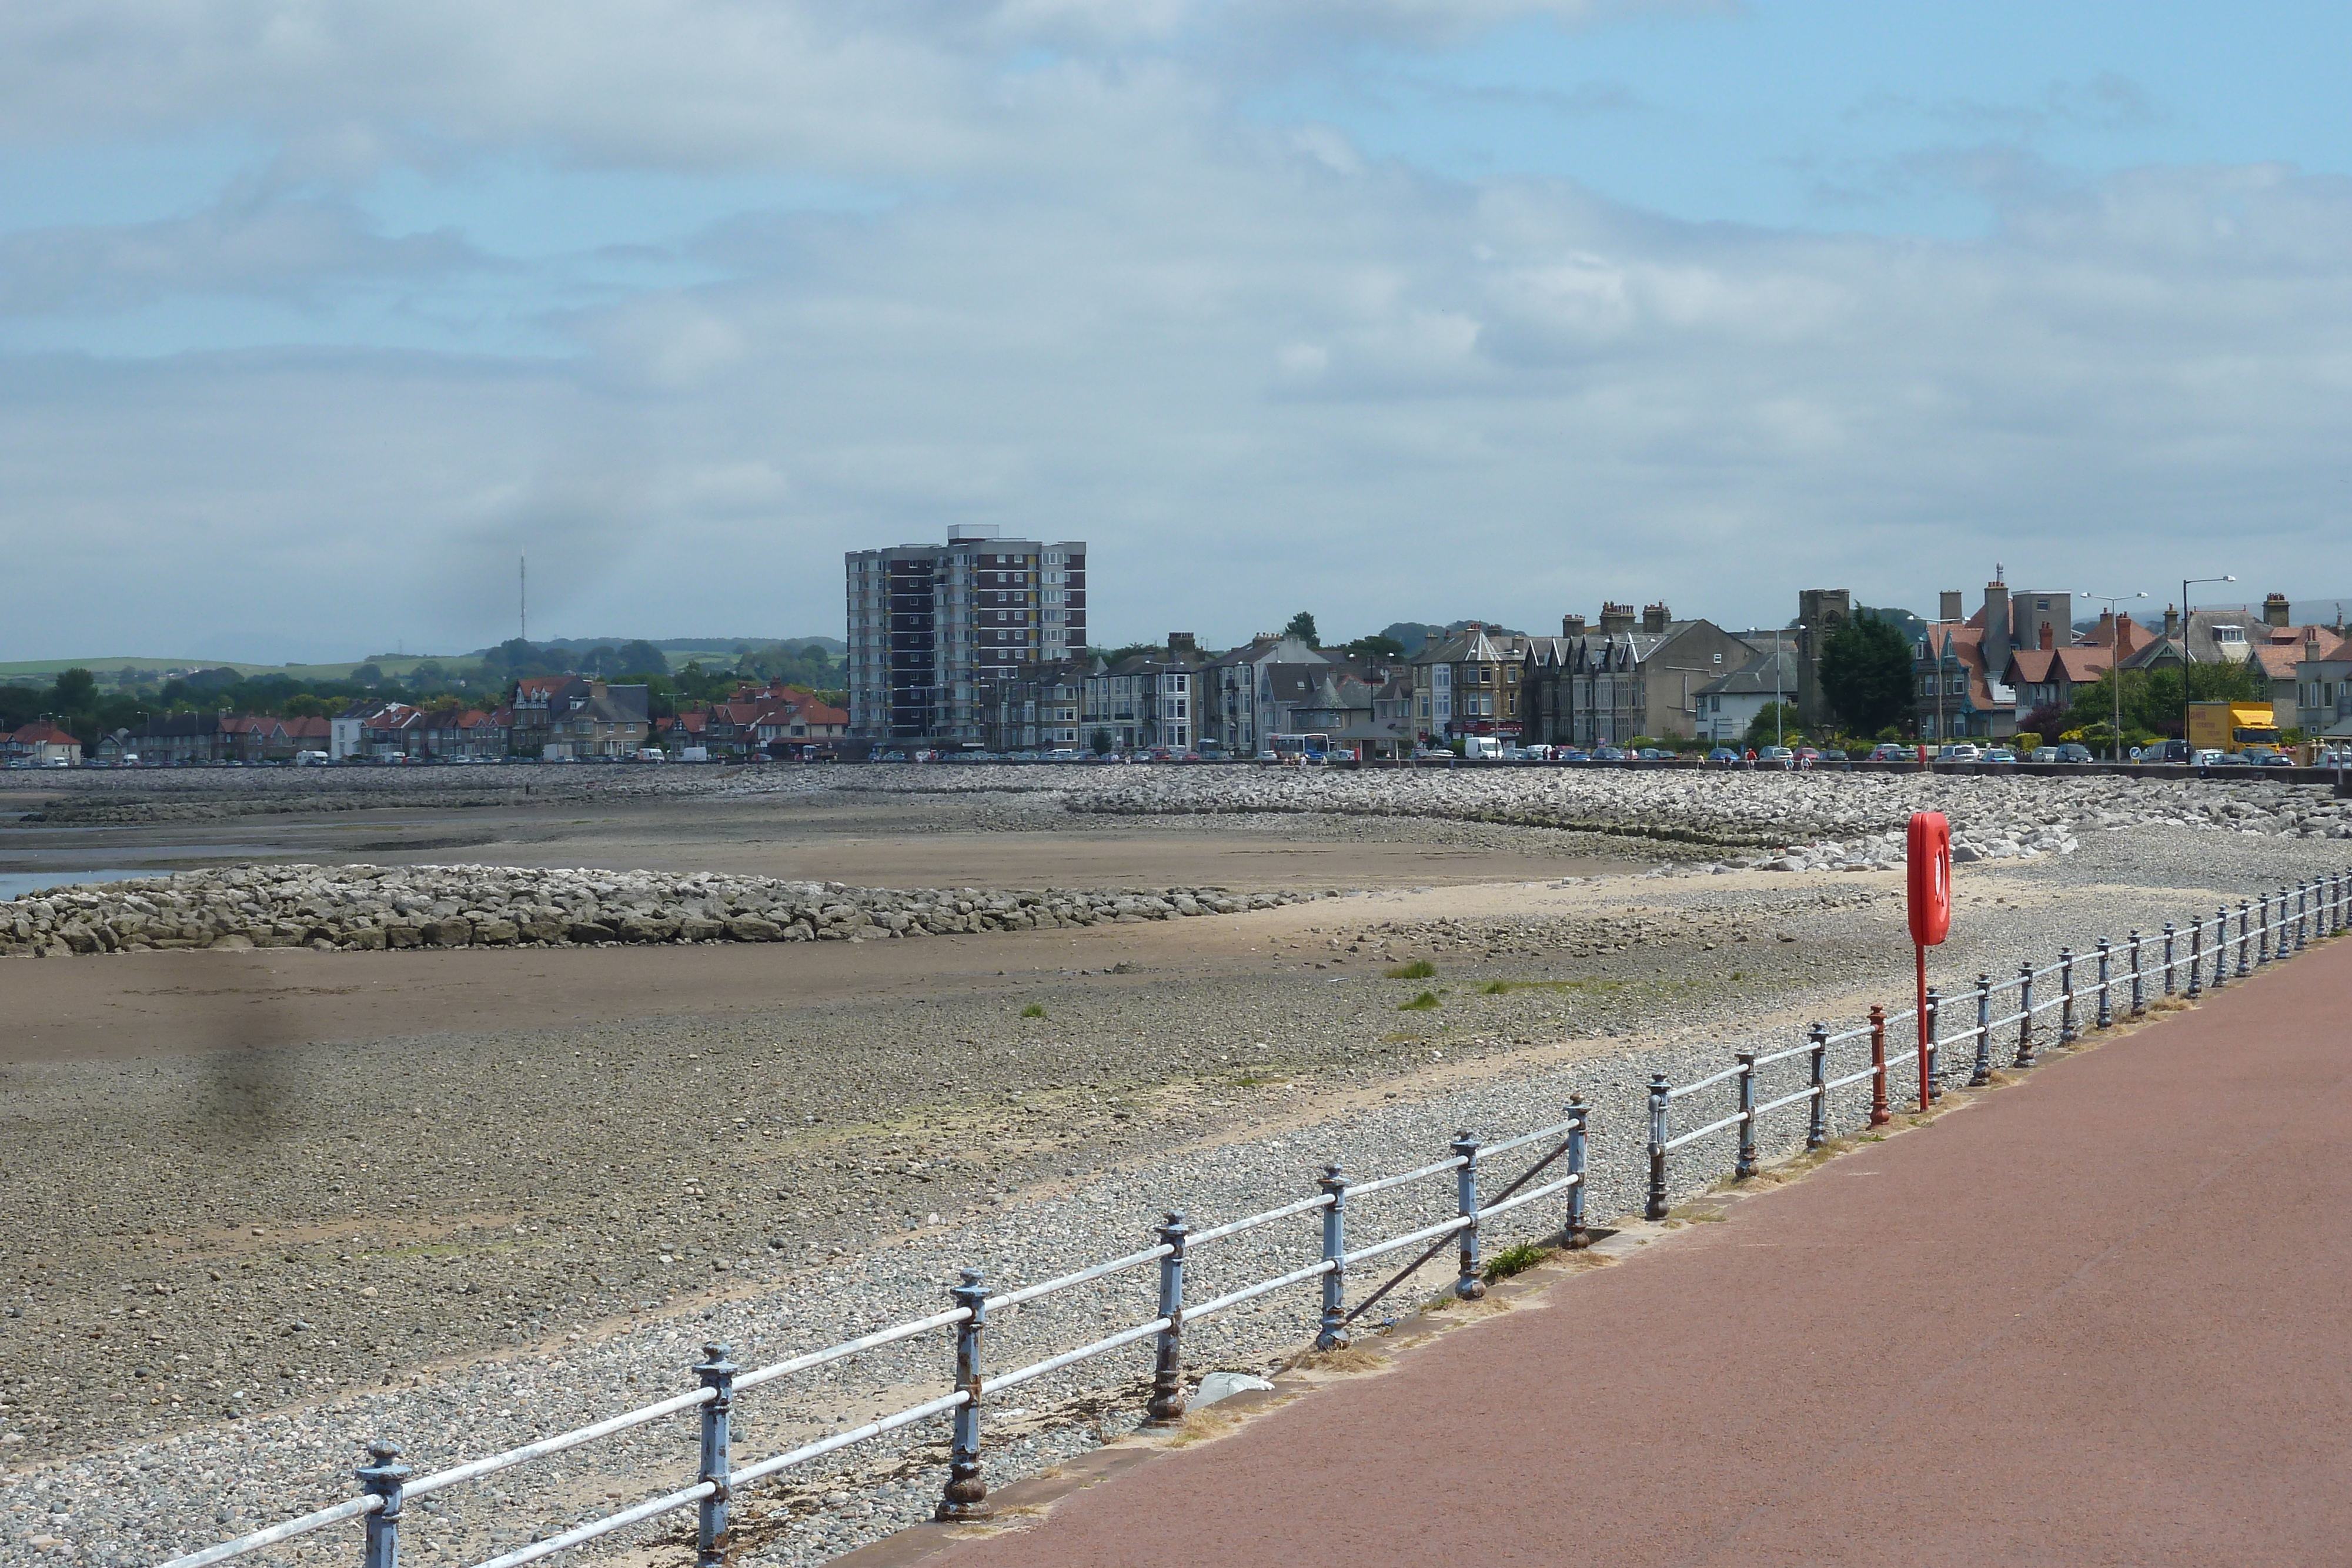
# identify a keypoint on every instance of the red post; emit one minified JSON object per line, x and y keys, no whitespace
{"x":1927,"y":877}
{"x":1920,"y":951}
{"x":1879,"y":1115}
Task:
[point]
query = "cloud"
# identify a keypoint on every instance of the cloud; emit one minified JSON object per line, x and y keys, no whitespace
{"x":293,"y":249}
{"x":1257,"y":366}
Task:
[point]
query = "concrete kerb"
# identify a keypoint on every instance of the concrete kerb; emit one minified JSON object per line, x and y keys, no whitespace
{"x":1026,"y":1502}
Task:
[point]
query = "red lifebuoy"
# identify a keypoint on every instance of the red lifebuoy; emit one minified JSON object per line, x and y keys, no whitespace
{"x":1927,"y":855}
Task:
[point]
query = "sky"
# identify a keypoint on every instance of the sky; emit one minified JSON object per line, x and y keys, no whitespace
{"x":314,"y":318}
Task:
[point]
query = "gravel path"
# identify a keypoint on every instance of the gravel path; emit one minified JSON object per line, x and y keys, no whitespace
{"x":669,"y":1218}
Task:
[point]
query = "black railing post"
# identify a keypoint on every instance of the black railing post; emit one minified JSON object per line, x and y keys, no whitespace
{"x":1659,"y":1091}
{"x":1167,"y":1406}
{"x":382,"y":1476}
{"x":1578,"y":1117}
{"x":1467,"y":1285}
{"x":2026,"y":1013}
{"x":2066,"y":1035}
{"x":718,"y":1374}
{"x":967,"y":1491}
{"x":1817,"y":1124}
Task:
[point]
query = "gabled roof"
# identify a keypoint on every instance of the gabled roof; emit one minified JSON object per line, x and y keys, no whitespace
{"x":2075,"y":666}
{"x":40,"y":733}
{"x":1763,"y":675}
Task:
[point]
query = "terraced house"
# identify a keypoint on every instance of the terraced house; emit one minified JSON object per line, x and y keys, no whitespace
{"x":1469,"y":684}
{"x":1631,"y":678}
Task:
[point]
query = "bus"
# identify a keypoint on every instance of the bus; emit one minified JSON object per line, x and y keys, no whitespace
{"x":1312,"y":747}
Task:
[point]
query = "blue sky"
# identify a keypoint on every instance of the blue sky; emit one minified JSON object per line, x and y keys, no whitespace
{"x":1404,"y":309}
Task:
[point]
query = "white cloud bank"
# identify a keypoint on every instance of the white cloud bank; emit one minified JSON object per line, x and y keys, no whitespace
{"x":1102,"y":301}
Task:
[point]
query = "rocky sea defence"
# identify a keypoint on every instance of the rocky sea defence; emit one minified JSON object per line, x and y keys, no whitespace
{"x":359,"y":908}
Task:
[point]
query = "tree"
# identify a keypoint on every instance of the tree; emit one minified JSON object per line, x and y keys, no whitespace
{"x":1774,"y":725}
{"x":642,"y":658}
{"x":1376,"y":646}
{"x":1302,"y":626}
{"x":75,"y":691}
{"x":1100,"y":741}
{"x":1865,"y":671}
{"x":369,"y":675}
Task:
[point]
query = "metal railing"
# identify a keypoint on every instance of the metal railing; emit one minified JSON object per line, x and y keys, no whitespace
{"x":2286,"y":923}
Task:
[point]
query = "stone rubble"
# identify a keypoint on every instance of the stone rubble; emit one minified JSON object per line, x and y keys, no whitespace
{"x":1822,"y":820}
{"x":358,"y":907}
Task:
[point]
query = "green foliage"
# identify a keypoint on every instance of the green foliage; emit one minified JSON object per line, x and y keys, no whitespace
{"x":2024,"y":741}
{"x":75,"y":691}
{"x":1515,"y":1258}
{"x":1420,"y":1004}
{"x":1034,"y":1010}
{"x":1419,"y":969}
{"x":1099,"y":742}
{"x":1302,"y":626}
{"x":1761,"y":729}
{"x":1865,"y":671}
{"x":1375,"y":646}
{"x":2152,"y":700}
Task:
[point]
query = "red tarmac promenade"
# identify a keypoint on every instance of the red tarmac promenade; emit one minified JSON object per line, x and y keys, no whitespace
{"x":2100,"y":1317}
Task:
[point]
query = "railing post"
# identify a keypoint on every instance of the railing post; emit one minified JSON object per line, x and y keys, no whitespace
{"x":2107,"y":956}
{"x":2139,"y":997}
{"x":1817,"y":1124}
{"x":1745,"y":1166}
{"x":2221,"y":945}
{"x":382,"y":1476}
{"x":1333,"y":1333}
{"x":967,"y":1491}
{"x":2196,"y":958}
{"x":1934,"y":1047}
{"x":2026,"y":1013}
{"x":2262,"y":934}
{"x":2302,"y":913}
{"x":1982,"y":1072}
{"x":2245,"y":965}
{"x":1879,"y":1115}
{"x":1467,"y":1286}
{"x":2066,"y":1035}
{"x":718,"y":1374}
{"x":1167,"y":1404}
{"x":1656,"y":1208}
{"x":1577,"y":1118}
{"x":2169,"y":966}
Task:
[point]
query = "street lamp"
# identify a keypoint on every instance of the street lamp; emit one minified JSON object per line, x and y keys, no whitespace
{"x":2184,"y":654}
{"x":2116,"y":656}
{"x":1779,"y":715}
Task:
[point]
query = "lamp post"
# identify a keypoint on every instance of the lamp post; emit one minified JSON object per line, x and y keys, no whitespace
{"x":2185,"y":583}
{"x":2116,"y":658}
{"x":1778,"y":715}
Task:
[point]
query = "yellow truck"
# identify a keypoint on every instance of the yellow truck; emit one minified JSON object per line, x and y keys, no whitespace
{"x":2232,"y":726}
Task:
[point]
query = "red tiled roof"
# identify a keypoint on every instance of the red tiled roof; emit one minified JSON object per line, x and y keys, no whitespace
{"x":42,"y":734}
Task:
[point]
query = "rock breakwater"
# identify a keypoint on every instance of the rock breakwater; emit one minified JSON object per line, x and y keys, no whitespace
{"x":369,"y":907}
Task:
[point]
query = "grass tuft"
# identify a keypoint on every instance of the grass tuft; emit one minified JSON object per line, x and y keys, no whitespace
{"x":1517,"y":1258}
{"x":1034,"y":1010}
{"x":1419,"y":969}
{"x":1420,"y":1004}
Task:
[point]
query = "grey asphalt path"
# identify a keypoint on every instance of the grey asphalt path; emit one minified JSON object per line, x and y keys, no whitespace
{"x":2100,"y":1317}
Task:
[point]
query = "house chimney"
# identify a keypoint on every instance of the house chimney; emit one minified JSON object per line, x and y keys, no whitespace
{"x":1653,"y":618}
{"x":1952,"y":607}
{"x":2123,"y":630}
{"x":2049,"y":636}
{"x":1615,"y":618}
{"x":1998,"y":630}
{"x":2172,"y":621}
{"x":2276,"y":611}
{"x":1183,"y":643}
{"x":1572,"y":625}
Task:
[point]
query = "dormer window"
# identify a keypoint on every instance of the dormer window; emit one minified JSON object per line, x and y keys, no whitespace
{"x":2228,"y":634}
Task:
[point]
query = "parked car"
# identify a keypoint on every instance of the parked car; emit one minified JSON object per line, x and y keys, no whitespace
{"x":1724,"y":755}
{"x":2265,"y":757}
{"x":1655,"y":754}
{"x":1891,"y":751}
{"x":1960,"y":751}
{"x":2073,"y":751}
{"x":2169,"y":751}
{"x":2000,"y":754}
{"x":1608,"y":754}
{"x":1775,"y":757}
{"x":2043,"y":753}
{"x":2207,"y":758}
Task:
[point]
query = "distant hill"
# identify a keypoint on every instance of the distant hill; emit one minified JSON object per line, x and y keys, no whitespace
{"x":689,"y":645}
